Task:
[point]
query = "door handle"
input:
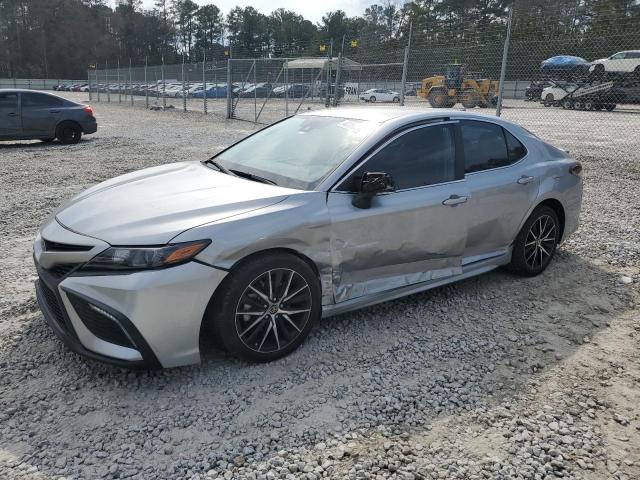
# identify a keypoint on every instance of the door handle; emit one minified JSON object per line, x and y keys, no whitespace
{"x":54,"y":111}
{"x":12,"y":114}
{"x":523,"y":180}
{"x":454,"y":200}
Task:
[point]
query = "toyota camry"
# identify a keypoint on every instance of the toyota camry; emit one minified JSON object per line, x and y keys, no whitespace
{"x":318,"y":214}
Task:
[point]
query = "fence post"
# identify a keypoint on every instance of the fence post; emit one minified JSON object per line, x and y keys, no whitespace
{"x":130,"y":83}
{"x":336,"y":93}
{"x":204,"y":81}
{"x":184,"y":94}
{"x":405,"y":66}
{"x":164,"y":86}
{"x":97,"y":84}
{"x":106,"y":79}
{"x":146,"y":84}
{"x":89,"y":82}
{"x":503,"y":69}
{"x":118,"y":80}
{"x":255,"y":93}
{"x":286,"y":88}
{"x":229,"y":109}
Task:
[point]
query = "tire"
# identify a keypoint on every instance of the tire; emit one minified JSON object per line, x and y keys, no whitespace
{"x":532,"y":259}
{"x":470,"y":99}
{"x":549,"y":100}
{"x":578,"y":105}
{"x":252,"y":336}
{"x":598,"y":71}
{"x":438,"y":98}
{"x":372,"y":99}
{"x":69,"y":133}
{"x":396,"y":99}
{"x":567,"y":104}
{"x":589,"y":105}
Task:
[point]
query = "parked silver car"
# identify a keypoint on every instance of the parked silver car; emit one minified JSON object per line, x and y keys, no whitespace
{"x":315,"y":215}
{"x":30,"y":115}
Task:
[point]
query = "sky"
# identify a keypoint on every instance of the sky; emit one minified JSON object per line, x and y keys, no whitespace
{"x":310,"y":9}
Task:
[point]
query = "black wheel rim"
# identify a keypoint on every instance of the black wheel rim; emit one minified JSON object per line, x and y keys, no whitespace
{"x":273,"y":310}
{"x":540,"y":242}
{"x":70,"y":134}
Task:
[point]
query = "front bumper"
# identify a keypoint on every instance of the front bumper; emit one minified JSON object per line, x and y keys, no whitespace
{"x":146,"y":319}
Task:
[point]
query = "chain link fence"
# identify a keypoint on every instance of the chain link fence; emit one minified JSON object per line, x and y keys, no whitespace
{"x":569,"y":78}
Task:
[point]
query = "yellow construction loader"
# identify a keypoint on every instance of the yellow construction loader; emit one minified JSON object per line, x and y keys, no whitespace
{"x":443,"y":91}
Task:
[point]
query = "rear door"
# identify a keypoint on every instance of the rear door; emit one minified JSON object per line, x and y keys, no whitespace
{"x":40,"y":113}
{"x":501,"y":183}
{"x":9,"y":114}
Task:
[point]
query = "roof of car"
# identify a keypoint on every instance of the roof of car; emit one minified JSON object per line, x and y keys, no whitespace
{"x":23,"y":90}
{"x":383,"y":114}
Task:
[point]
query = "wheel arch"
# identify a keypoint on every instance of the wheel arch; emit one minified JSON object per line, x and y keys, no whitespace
{"x":558,"y":208}
{"x":67,"y":121}
{"x":205,"y":329}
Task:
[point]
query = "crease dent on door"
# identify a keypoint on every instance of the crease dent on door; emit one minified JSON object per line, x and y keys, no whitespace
{"x":366,"y":269}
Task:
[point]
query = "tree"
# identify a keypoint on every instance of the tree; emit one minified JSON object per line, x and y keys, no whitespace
{"x":209,"y":27}
{"x":248,"y":31}
{"x":184,"y":12}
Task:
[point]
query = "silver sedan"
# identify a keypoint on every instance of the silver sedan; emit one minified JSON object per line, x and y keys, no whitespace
{"x":316,"y":215}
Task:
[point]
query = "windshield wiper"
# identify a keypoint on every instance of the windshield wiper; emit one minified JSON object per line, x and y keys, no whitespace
{"x":215,"y":164}
{"x":251,"y":176}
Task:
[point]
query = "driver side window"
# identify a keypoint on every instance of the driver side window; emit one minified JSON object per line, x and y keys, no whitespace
{"x":421,"y":157}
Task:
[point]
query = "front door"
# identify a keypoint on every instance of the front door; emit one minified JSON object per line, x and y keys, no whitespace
{"x":412,"y":235}
{"x":9,"y":115}
{"x":501,"y":192}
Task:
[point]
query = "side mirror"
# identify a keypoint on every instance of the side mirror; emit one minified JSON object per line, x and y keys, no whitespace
{"x":371,"y":184}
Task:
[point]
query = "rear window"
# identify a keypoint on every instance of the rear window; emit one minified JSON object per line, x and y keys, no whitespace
{"x":40,"y":100}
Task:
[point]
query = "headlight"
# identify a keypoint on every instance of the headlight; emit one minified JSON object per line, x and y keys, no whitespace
{"x":145,"y":258}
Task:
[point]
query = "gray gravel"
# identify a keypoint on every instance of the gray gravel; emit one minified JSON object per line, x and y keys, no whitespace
{"x":493,"y":377}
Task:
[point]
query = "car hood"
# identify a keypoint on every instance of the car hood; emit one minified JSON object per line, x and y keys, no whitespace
{"x":151,"y":206}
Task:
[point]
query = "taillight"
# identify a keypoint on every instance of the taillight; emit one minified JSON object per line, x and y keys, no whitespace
{"x":88,"y":110}
{"x":576,"y":169}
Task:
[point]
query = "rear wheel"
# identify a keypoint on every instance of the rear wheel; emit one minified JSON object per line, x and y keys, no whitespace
{"x":265,"y":308}
{"x":372,"y":99}
{"x":536,"y":243}
{"x":396,"y":99}
{"x":69,"y":133}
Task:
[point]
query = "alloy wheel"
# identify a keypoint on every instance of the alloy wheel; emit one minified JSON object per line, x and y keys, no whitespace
{"x":273,"y":310}
{"x":540,"y":242}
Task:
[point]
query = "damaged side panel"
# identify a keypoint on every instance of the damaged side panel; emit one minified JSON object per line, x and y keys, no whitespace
{"x":406,"y":237}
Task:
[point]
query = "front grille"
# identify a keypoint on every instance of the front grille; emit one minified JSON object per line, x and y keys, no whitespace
{"x":50,"y":246}
{"x":51,"y":300}
{"x":62,"y":269}
{"x":100,"y":322}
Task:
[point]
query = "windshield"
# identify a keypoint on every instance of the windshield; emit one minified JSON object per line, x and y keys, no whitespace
{"x":298,"y":152}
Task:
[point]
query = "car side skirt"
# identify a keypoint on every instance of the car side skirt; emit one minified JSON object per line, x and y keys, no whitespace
{"x":468,"y":270}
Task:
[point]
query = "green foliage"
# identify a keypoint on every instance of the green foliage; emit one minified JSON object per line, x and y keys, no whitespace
{"x":62,"y":37}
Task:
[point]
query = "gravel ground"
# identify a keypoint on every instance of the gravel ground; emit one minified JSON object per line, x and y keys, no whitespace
{"x":493,"y":377}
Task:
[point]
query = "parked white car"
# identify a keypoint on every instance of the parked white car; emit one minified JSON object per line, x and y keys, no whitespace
{"x":556,"y":93}
{"x":380,"y":95}
{"x":627,"y":61}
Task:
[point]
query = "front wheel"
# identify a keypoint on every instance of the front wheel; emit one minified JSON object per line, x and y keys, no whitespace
{"x":372,"y":99}
{"x":266,"y":307}
{"x":396,"y":99}
{"x":536,"y":243}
